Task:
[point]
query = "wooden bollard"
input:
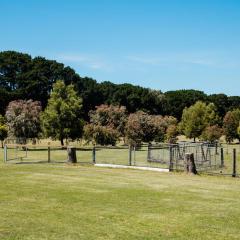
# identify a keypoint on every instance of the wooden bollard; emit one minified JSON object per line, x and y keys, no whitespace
{"x":189,"y":163}
{"x":72,"y":157}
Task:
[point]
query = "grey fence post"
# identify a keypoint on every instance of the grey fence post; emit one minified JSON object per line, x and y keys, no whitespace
{"x":134,"y":155}
{"x":149,"y":152}
{"x":5,"y":153}
{"x":130,"y":155}
{"x":222,"y":158}
{"x":234,"y":163}
{"x":94,"y":155}
{"x":170,"y":159}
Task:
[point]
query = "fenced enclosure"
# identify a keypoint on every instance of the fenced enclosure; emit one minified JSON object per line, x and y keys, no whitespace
{"x":206,"y":156}
{"x":209,"y":158}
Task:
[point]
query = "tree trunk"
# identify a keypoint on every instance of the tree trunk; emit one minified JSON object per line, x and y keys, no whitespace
{"x":62,"y":143}
{"x":2,"y":144}
{"x":189,"y":163}
{"x":72,"y":157}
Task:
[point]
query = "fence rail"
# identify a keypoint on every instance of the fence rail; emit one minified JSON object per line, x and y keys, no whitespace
{"x":211,"y":159}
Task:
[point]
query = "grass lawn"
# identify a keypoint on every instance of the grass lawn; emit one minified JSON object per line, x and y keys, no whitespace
{"x":59,"y":201}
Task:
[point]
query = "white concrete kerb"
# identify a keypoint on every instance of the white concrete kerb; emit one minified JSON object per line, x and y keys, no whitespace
{"x":132,"y":167}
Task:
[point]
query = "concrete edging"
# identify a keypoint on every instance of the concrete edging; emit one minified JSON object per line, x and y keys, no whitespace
{"x":132,"y":167}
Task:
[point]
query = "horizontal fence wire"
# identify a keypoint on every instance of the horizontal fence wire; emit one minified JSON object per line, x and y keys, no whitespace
{"x":15,"y":153}
{"x":212,"y":159}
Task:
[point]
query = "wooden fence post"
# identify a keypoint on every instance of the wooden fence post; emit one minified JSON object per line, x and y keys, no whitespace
{"x":190,"y":166}
{"x":234,"y":163}
{"x":49,"y":154}
{"x":72,"y":157}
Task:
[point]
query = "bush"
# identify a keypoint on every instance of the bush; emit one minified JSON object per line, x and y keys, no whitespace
{"x":171,"y":134}
{"x":101,"y":135}
{"x":212,"y":133}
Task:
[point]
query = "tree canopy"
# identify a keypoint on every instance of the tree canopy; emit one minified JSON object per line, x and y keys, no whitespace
{"x":62,"y":118}
{"x":196,"y":118}
{"x":231,"y":124}
{"x":23,"y":118}
{"x":3,"y":129}
{"x":24,"y":77}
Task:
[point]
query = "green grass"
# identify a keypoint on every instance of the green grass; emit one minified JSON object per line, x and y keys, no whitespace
{"x":59,"y":201}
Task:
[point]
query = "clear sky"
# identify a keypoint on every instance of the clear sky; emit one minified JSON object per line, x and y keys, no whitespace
{"x":161,"y":44}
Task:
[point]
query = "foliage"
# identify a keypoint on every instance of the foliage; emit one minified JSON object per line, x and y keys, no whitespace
{"x":171,"y":134}
{"x":178,"y":100}
{"x":221,"y":103}
{"x":212,"y":133}
{"x":196,"y":118}
{"x":24,"y":77}
{"x":160,"y":125}
{"x":102,"y":135}
{"x":233,"y":102}
{"x":62,"y":116}
{"x":23,"y":118}
{"x":114,"y":117}
{"x":139,"y":128}
{"x":3,"y":129}
{"x":231,"y":124}
{"x":142,"y":127}
{"x":212,"y":118}
{"x":107,"y":124}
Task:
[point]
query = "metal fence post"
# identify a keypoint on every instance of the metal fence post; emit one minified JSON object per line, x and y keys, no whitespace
{"x":149,"y":152}
{"x":134,"y":155}
{"x":94,"y":155}
{"x":234,"y":163}
{"x":222,"y":158}
{"x":170,"y":159}
{"x":130,"y":155}
{"x":5,"y":153}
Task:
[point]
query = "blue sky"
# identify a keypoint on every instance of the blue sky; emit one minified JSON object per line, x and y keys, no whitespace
{"x":161,"y":44}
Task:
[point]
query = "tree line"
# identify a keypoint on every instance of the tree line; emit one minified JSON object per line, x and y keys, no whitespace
{"x":43,"y":98}
{"x":24,"y":77}
{"x":63,"y":119}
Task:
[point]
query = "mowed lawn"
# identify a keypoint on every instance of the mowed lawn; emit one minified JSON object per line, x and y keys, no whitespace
{"x":60,"y":201}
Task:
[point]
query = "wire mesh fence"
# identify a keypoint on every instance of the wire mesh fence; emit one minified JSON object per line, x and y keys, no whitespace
{"x":209,"y":158}
{"x":205,"y":155}
{"x":231,"y":163}
{"x":14,"y":153}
